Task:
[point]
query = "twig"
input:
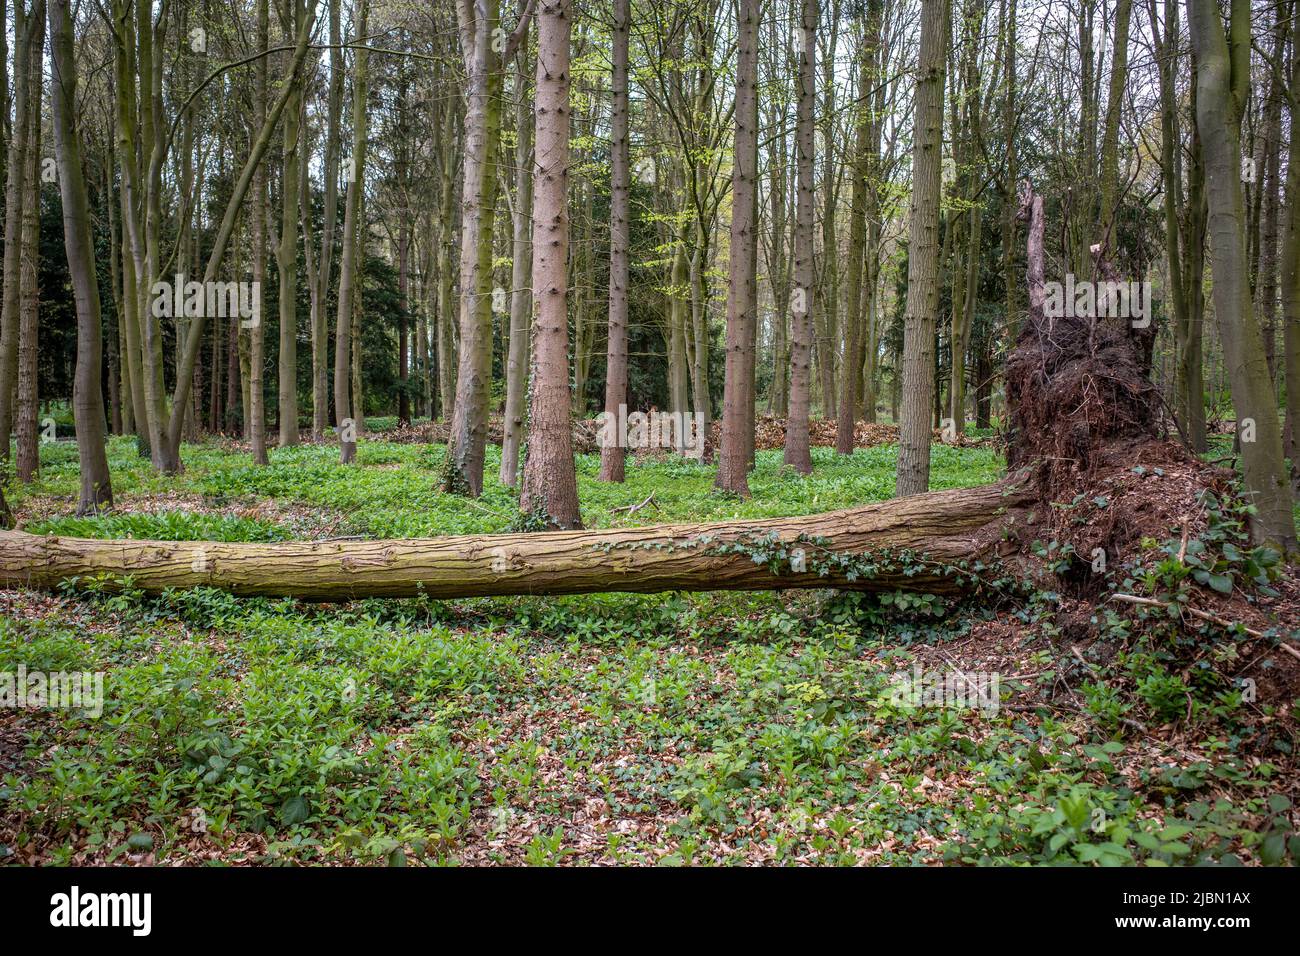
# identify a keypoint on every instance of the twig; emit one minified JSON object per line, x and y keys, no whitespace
{"x":1195,"y":612}
{"x":633,"y":509}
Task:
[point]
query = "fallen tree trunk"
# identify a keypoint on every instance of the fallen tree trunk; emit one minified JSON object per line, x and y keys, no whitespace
{"x":940,"y":529}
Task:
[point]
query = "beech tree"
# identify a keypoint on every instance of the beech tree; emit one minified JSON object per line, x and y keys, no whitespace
{"x":483,"y":51}
{"x":346,"y":402}
{"x":87,"y":397}
{"x":1222,"y":82}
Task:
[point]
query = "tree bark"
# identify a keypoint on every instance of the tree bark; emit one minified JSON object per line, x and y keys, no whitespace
{"x":738,"y":407}
{"x":320,"y":293}
{"x":1110,"y":132}
{"x":344,"y":411}
{"x":27,"y":410}
{"x":255,"y":411}
{"x":797,"y":453}
{"x":944,"y":526}
{"x":550,"y":487}
{"x":478,"y":22}
{"x":446,"y":324}
{"x":87,"y":396}
{"x":918,"y":375}
{"x":518,"y":356}
{"x":261,"y":142}
{"x":855,"y":318}
{"x":1222,"y":79}
{"x":1290,"y":275}
{"x":612,"y":455}
{"x":286,"y":254}
{"x":14,"y":191}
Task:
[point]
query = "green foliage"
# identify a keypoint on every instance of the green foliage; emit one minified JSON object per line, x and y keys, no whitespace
{"x":728,"y":727}
{"x":163,"y":526}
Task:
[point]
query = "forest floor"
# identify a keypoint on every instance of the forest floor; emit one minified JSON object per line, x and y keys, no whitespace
{"x":660,"y":729}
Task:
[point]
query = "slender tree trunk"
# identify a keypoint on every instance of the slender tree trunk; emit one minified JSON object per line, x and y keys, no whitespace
{"x":1011,"y":173}
{"x":447,"y":359}
{"x":123,"y":417}
{"x":29,"y":456}
{"x":1266,"y":281}
{"x":797,"y":453}
{"x":779,"y":277}
{"x":319,"y":320}
{"x":612,"y":456}
{"x":87,"y":396}
{"x":1222,"y":78}
{"x":550,"y":488}
{"x":255,"y":411}
{"x":1110,"y":133}
{"x":344,"y":411}
{"x":463,"y":473}
{"x":917,"y":382}
{"x":855,"y":318}
{"x":286,"y":255}
{"x":221,"y":238}
{"x":403,"y":325}
{"x":16,"y":172}
{"x":1290,"y":277}
{"x":234,"y":379}
{"x":737,"y":405}
{"x":521,"y":295}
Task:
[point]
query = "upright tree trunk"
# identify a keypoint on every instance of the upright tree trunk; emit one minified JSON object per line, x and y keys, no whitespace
{"x":856,"y":316}
{"x":403,"y":324}
{"x":779,"y":275}
{"x":612,"y":456}
{"x":550,"y":489}
{"x":480,"y":46}
{"x":87,"y":397}
{"x":797,"y":453}
{"x":221,"y":238}
{"x":1290,"y":274}
{"x":1222,"y":79}
{"x":699,"y":329}
{"x":737,"y":404}
{"x":16,"y":172}
{"x":827,"y":328}
{"x":446,"y":322}
{"x":521,"y":294}
{"x":255,"y":411}
{"x":319,"y":320}
{"x":918,"y":379}
{"x":29,"y":456}
{"x":678,"y":372}
{"x":1110,"y":133}
{"x":286,"y":255}
{"x":344,"y":411}
{"x":1009,"y":122}
{"x":1270,"y":146}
